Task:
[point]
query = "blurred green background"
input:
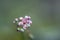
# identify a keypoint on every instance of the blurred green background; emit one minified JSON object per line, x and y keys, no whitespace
{"x":45,"y":16}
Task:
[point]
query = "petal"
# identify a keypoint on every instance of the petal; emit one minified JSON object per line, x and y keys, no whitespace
{"x":20,"y":23}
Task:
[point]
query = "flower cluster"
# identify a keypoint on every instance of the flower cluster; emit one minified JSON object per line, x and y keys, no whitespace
{"x":23,"y":23}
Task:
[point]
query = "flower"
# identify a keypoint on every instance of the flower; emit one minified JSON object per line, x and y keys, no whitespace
{"x":28,"y":25}
{"x":26,"y":16}
{"x":21,"y":18}
{"x":24,"y":26}
{"x":20,"y":23}
{"x":16,"y":19}
{"x":25,"y":22}
{"x":29,"y":21}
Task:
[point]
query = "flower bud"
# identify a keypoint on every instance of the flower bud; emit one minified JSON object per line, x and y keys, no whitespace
{"x":21,"y":18}
{"x":16,"y":19}
{"x":22,"y":29}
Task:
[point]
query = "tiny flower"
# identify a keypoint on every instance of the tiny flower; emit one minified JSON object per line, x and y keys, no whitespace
{"x":20,"y":23}
{"x":16,"y":19}
{"x":25,"y":22}
{"x":24,"y":27}
{"x":26,"y":16}
{"x":30,"y":22}
{"x":21,"y":18}
{"x":28,"y":25}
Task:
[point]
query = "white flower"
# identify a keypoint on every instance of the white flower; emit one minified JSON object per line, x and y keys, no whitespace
{"x":16,"y":19}
{"x":21,"y":18}
{"x":26,"y":16}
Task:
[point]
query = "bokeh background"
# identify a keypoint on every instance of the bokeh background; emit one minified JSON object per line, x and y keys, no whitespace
{"x":45,"y":16}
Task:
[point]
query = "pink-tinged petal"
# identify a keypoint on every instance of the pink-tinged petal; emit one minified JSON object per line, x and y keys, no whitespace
{"x":24,"y":27}
{"x":24,"y":21}
{"x":30,"y":22}
{"x":20,"y":23}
